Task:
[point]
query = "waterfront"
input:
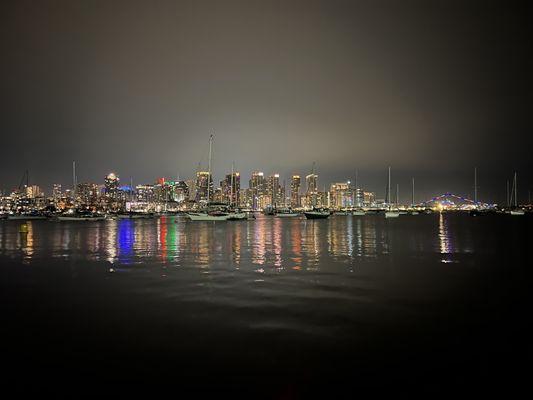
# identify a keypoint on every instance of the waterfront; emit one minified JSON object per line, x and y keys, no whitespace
{"x":288,"y":305}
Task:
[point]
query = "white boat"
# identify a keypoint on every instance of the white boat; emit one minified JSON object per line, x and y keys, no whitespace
{"x":517,"y":212}
{"x":204,"y":216}
{"x":392,"y":214}
{"x":359,"y":213}
{"x":414,"y":213}
{"x":237,"y":216}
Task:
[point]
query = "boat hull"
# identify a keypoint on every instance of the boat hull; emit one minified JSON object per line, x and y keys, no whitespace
{"x":392,"y":214}
{"x":517,"y":212}
{"x":69,"y":218}
{"x":238,"y":216}
{"x":287,"y":215}
{"x":207,"y":217}
{"x":316,"y":215}
{"x":25,"y":217}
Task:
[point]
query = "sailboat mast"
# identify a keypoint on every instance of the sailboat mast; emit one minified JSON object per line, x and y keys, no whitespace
{"x":475,"y":185}
{"x":209,"y":168}
{"x":508,"y":200}
{"x":388,"y":190}
{"x":397,"y":194}
{"x":515,"y":190}
{"x":413,"y":194}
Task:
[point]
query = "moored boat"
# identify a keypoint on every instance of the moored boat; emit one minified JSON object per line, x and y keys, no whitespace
{"x":80,"y":216}
{"x":27,"y":216}
{"x":392,"y":214}
{"x":208,"y":216}
{"x":134,"y":215}
{"x":317,"y":214}
{"x":286,"y":213}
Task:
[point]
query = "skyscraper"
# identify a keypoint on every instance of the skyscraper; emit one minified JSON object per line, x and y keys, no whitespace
{"x":340,"y":195}
{"x":311,"y":181}
{"x":295,"y":191}
{"x":257,"y":185}
{"x":274,"y":190}
{"x":231,"y":195}
{"x":203,"y":182}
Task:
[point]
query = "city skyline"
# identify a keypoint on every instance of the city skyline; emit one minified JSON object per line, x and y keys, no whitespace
{"x":283,"y":191}
{"x":431,"y":90}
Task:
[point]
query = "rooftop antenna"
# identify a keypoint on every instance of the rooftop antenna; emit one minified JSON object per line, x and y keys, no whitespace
{"x":515,"y":185}
{"x":388,"y":190}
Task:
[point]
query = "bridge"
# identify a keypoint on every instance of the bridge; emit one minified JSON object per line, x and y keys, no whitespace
{"x":454,"y":201}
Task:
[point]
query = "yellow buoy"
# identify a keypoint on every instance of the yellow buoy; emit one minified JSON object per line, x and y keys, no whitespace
{"x":23,"y":228}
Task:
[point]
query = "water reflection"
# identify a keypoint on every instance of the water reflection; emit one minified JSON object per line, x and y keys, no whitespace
{"x":265,"y":245}
{"x":445,"y":245}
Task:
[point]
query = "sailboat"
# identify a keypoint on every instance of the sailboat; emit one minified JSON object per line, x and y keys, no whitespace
{"x":514,"y":195}
{"x":390,"y":213}
{"x":212,"y":211}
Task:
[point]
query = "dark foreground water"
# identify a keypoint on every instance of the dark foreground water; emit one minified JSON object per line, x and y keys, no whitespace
{"x":282,"y":308}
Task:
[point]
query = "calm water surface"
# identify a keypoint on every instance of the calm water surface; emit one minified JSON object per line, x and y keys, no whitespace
{"x":426,"y":301}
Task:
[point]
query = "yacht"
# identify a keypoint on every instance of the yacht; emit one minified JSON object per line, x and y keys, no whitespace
{"x":341,"y":212}
{"x":134,"y":215}
{"x":286,"y":213}
{"x":317,"y":213}
{"x":27,"y":216}
{"x":73,"y":215}
{"x":209,"y":216}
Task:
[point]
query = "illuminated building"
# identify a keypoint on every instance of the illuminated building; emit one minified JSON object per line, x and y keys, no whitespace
{"x":245,"y":198}
{"x":191,"y":185}
{"x":274,"y":191}
{"x":311,"y":181}
{"x":295,"y":191}
{"x":33,"y":191}
{"x":180,"y":191}
{"x":203,"y":182}
{"x":369,"y":199}
{"x":87,"y":194}
{"x":113,"y":195}
{"x":228,"y":191}
{"x":56,"y":192}
{"x":111,"y":185}
{"x":257,"y":186}
{"x":340,"y":195}
{"x":145,"y":193}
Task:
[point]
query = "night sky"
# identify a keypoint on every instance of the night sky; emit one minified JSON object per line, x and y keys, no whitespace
{"x":432,"y":88}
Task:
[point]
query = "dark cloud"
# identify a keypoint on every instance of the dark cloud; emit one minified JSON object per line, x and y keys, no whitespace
{"x":432,"y":88}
